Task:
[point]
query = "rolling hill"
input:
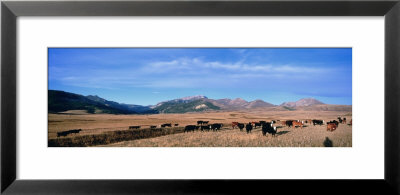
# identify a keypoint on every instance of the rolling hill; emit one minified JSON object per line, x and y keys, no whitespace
{"x":59,"y":101}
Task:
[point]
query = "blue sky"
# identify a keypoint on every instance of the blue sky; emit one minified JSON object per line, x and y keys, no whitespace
{"x":146,"y":76}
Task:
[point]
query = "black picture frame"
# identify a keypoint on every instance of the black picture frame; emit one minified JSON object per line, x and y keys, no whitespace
{"x":11,"y":10}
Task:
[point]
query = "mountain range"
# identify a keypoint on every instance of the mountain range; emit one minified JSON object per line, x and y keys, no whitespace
{"x":60,"y":101}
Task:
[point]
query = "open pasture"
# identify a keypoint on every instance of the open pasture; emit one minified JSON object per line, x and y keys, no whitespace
{"x":309,"y":136}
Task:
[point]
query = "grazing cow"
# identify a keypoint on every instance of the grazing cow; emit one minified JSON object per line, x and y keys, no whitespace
{"x":205,"y":122}
{"x":317,"y":122}
{"x":199,"y":122}
{"x":134,"y":127}
{"x":268,"y":128}
{"x":331,"y":127}
{"x":289,"y":123}
{"x":344,"y":121}
{"x":153,"y":127}
{"x":262,"y":122}
{"x":297,"y":123}
{"x":189,"y":128}
{"x":308,"y":121}
{"x":241,"y":126}
{"x":216,"y":126}
{"x":256,"y":124}
{"x":334,"y":122}
{"x":234,"y":124}
{"x":75,"y":130}
{"x":65,"y":133}
{"x":249,"y":127}
{"x":166,"y":125}
{"x":206,"y":127}
{"x":62,"y":133}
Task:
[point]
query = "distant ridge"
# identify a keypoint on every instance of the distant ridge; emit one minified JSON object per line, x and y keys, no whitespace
{"x":302,"y":102}
{"x":238,"y":103}
{"x":60,"y":101}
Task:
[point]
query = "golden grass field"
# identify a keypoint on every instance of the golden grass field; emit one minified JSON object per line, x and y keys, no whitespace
{"x":310,"y":136}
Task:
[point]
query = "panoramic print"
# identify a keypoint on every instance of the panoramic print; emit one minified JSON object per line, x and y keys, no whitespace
{"x":200,"y":97}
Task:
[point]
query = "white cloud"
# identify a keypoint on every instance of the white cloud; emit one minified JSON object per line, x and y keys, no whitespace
{"x":196,"y":64}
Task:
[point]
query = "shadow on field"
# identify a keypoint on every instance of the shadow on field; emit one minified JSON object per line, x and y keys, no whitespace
{"x":328,"y":142}
{"x":282,"y":132}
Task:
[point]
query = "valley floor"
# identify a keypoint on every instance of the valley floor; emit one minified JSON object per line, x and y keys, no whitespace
{"x":310,"y":136}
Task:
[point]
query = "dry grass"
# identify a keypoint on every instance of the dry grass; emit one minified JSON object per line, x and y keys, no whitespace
{"x":311,"y":136}
{"x":103,"y":124}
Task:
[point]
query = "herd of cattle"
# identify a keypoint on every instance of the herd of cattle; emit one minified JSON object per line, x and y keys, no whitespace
{"x":266,"y":127}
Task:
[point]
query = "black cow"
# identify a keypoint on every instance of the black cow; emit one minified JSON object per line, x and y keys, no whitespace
{"x":75,"y":130}
{"x":65,"y":133}
{"x":199,"y":122}
{"x":134,"y":127}
{"x":216,"y":126}
{"x":257,"y":125}
{"x":153,"y":127}
{"x":268,"y":128}
{"x":189,"y":128}
{"x":176,"y":124}
{"x":249,"y":127}
{"x":317,"y":122}
{"x":289,"y":123}
{"x":206,"y":127}
{"x":205,"y":122}
{"x":166,"y":125}
{"x":241,"y":126}
{"x":262,"y":122}
{"x":62,"y":133}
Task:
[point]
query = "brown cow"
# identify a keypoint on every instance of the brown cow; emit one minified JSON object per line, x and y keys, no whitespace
{"x":297,"y":123}
{"x":331,"y":127}
{"x":234,"y":124}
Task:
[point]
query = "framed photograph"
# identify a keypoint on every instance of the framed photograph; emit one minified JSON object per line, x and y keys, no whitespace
{"x":172,"y":96}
